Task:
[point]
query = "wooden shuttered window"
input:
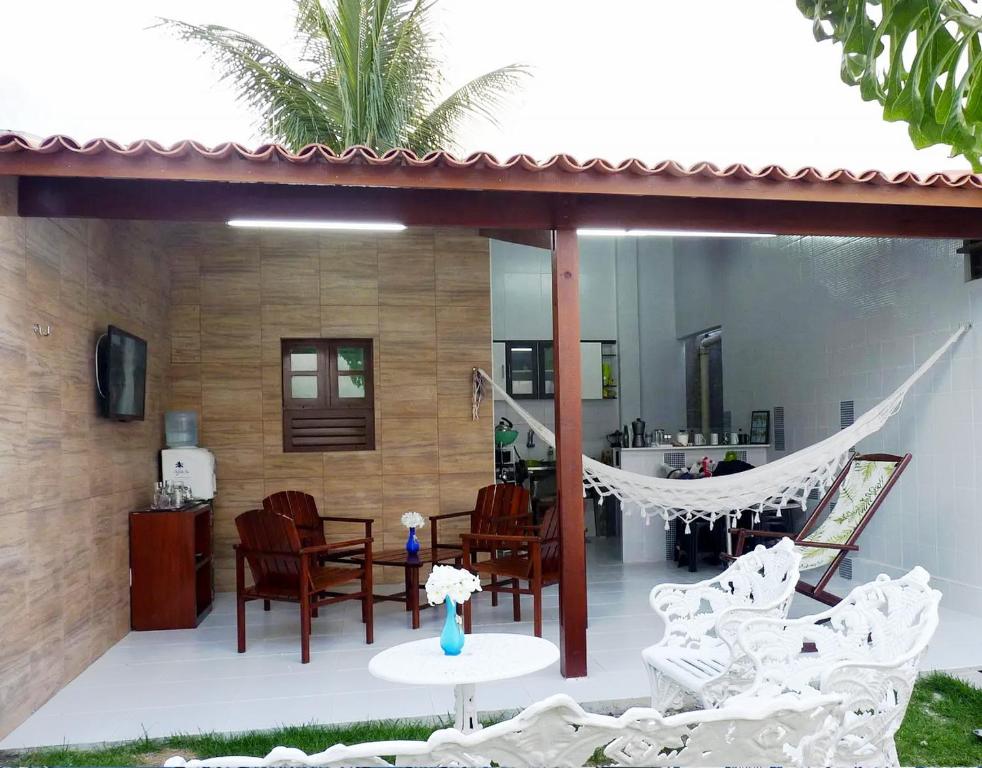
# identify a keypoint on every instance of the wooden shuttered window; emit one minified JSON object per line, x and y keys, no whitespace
{"x":328,"y":395}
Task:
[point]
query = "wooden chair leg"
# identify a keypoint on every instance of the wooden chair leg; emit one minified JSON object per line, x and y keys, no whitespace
{"x":305,"y":609}
{"x":516,"y":601}
{"x":240,"y":617}
{"x":535,"y":585}
{"x":266,"y":605}
{"x":315,"y":611}
{"x":494,"y":593}
{"x":368,"y":605}
{"x":466,"y":565}
{"x":467,"y":615}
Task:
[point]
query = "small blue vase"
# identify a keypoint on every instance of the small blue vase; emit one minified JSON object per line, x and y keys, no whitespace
{"x":452,"y":636}
{"x":412,"y":543}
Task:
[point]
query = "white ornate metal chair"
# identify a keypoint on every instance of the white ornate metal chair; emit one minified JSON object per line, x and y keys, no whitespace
{"x":558,"y":732}
{"x":867,"y":650}
{"x":696,"y":663}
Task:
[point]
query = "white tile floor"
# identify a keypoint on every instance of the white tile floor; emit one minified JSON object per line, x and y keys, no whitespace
{"x":161,"y":683}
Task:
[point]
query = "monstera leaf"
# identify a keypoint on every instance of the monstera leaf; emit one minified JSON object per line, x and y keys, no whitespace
{"x":920,"y":59}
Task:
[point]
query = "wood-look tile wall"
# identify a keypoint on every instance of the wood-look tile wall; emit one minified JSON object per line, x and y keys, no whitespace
{"x":422,"y":295}
{"x":68,"y":477}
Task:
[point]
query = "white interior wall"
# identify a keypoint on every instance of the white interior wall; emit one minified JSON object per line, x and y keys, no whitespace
{"x":809,"y":322}
{"x":661,"y":369}
{"x":521,"y":308}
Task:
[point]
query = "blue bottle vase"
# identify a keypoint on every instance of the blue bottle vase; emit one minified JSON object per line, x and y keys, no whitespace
{"x":452,"y":637}
{"x":412,"y":543}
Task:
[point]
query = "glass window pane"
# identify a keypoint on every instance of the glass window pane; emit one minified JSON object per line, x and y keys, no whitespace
{"x":303,"y":359}
{"x":351,"y":386}
{"x":351,"y":358}
{"x":303,"y":387}
{"x":522,"y":370}
{"x":548,"y":380}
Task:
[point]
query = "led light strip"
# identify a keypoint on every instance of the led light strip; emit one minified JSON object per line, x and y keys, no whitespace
{"x":364,"y":226}
{"x":665,"y":233}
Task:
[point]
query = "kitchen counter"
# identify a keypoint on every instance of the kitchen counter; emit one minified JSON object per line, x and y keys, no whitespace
{"x":698,"y":447}
{"x":644,"y":541}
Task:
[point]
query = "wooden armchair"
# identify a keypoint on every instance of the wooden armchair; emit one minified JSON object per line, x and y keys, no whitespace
{"x":496,"y":506}
{"x":530,"y":554}
{"x":859,"y":490}
{"x":302,"y":509}
{"x":283,"y":569}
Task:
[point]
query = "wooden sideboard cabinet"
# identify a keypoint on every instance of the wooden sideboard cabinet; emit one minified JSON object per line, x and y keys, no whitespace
{"x":172,"y":574}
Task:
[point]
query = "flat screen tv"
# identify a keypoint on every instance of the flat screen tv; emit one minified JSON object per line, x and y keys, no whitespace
{"x":121,"y":374}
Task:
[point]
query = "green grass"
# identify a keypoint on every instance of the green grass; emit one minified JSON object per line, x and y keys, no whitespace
{"x":941,"y":718}
{"x":309,"y":738}
{"x":938,"y":730}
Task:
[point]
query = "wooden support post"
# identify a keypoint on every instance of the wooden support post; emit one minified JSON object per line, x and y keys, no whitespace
{"x":569,"y":447}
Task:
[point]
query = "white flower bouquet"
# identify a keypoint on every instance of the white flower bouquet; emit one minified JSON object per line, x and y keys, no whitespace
{"x":413,"y":520}
{"x":446,"y":581}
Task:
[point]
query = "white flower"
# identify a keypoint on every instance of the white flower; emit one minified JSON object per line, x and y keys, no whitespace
{"x":413,"y":520}
{"x":455,"y":583}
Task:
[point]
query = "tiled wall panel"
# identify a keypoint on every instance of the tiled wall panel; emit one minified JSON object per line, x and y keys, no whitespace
{"x":857,"y":315}
{"x":68,"y":477}
{"x":422,"y":295}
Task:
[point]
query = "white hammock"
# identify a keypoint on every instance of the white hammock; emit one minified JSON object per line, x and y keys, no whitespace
{"x":788,"y":480}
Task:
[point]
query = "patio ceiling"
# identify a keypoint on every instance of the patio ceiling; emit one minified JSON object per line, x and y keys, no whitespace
{"x":188,"y":181}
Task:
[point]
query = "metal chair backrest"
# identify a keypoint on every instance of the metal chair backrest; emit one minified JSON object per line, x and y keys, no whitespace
{"x":302,"y":509}
{"x":263,"y":531}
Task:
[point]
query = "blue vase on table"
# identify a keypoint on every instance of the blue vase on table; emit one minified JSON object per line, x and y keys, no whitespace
{"x":412,"y":543}
{"x":452,"y":637}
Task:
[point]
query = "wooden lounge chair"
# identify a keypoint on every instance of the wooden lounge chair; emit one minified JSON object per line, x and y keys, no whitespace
{"x":497,"y":508}
{"x":530,"y":553}
{"x":858,"y":492}
{"x":302,"y":509}
{"x":283,"y":569}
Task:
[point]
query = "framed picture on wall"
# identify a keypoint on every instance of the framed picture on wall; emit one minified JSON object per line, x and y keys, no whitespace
{"x":760,"y":427}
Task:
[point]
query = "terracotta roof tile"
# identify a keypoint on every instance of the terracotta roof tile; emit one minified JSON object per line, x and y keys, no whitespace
{"x":359,"y":155}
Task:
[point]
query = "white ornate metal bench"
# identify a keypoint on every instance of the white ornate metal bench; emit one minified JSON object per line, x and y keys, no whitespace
{"x":829,"y":689}
{"x":558,"y":732}
{"x":693,"y":664}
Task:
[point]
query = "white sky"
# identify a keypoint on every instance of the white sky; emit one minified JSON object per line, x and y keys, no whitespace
{"x":716,"y":80}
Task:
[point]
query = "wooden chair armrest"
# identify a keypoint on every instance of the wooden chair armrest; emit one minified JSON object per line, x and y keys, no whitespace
{"x":326,"y":548}
{"x":499,"y":537}
{"x":450,"y":515}
{"x":339,"y":519}
{"x":762,"y":534}
{"x":827,"y":545}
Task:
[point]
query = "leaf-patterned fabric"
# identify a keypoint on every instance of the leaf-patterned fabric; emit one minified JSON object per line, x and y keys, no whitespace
{"x":857,"y":493}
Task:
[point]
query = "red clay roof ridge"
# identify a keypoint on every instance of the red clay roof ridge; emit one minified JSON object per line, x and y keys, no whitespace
{"x":362,"y":155}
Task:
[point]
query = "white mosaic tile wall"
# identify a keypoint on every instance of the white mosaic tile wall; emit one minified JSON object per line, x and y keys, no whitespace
{"x":810,"y":322}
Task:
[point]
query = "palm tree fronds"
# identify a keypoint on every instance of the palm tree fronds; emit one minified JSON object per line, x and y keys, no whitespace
{"x":480,"y":97}
{"x":291,"y":108}
{"x":370,"y":78}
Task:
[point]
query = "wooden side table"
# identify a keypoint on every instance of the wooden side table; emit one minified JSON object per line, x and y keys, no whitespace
{"x":400,"y":558}
{"x":172,"y":574}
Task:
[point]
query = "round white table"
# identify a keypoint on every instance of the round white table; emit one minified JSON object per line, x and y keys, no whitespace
{"x":485,"y":658}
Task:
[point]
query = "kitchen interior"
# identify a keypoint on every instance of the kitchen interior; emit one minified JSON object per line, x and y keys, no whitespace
{"x":653,"y":398}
